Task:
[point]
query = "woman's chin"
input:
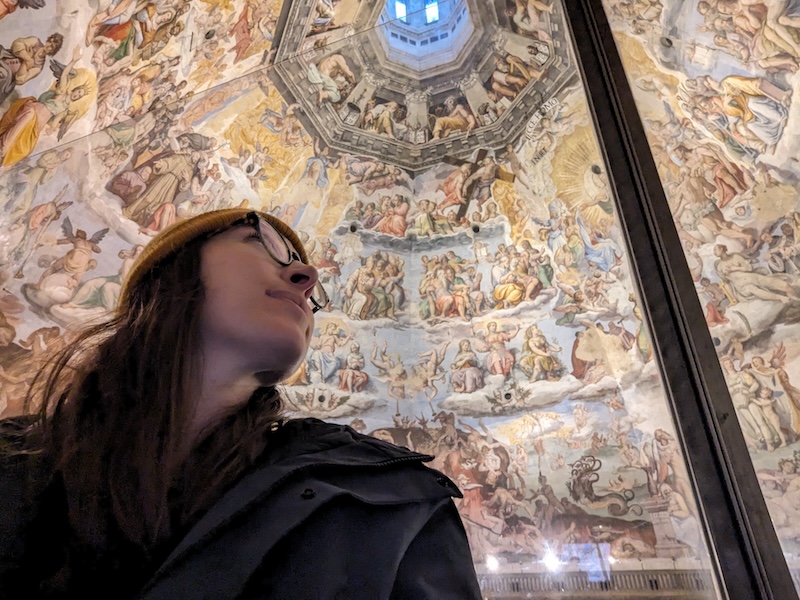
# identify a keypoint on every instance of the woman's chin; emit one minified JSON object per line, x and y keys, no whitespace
{"x":276,"y":376}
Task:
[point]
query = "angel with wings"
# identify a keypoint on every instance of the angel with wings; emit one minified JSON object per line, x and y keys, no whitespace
{"x":79,"y":259}
{"x":252,"y":164}
{"x":316,"y":401}
{"x":9,"y":6}
{"x":71,"y":96}
{"x":773,"y":376}
{"x":68,"y":99}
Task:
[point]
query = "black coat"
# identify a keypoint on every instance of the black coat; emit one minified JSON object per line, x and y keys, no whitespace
{"x":332,"y":514}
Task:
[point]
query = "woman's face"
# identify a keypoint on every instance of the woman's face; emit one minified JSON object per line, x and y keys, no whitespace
{"x":256,"y":314}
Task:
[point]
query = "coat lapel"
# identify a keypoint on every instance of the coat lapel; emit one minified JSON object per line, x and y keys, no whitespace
{"x":323,"y":446}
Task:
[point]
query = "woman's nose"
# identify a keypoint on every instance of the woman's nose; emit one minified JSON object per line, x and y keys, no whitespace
{"x":303,"y":275}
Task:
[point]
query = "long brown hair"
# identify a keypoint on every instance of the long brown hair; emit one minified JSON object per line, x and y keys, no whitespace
{"x":113,"y":412}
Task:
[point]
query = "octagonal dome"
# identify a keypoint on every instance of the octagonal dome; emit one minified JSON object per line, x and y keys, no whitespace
{"x":413,"y":104}
{"x":424,"y":34}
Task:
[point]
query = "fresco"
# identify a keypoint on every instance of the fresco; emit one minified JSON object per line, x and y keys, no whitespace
{"x":333,"y":20}
{"x":529,"y":18}
{"x":386,"y":117}
{"x":715,"y":84}
{"x":113,"y":63}
{"x":482,"y":310}
{"x":368,"y":87}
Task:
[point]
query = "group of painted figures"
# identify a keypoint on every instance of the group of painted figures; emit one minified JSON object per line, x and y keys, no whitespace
{"x":511,"y":289}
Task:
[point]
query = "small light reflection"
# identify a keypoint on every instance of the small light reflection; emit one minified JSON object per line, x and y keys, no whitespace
{"x":551,"y":561}
{"x":492,"y":563}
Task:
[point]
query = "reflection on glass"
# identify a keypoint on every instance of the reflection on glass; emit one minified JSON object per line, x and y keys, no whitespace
{"x":431,"y":11}
{"x":716,"y":96}
{"x":400,"y":10}
{"x":482,"y":305}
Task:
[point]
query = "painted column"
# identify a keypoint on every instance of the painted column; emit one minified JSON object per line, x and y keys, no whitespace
{"x":473,"y":90}
{"x":667,"y":545}
{"x":417,"y":116}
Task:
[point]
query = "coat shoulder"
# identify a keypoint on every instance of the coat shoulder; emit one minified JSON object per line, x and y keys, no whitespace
{"x":368,"y":465}
{"x":310,"y":431}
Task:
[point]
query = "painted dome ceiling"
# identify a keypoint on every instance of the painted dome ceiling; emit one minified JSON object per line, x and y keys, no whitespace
{"x":502,"y":312}
{"x":415,"y":90}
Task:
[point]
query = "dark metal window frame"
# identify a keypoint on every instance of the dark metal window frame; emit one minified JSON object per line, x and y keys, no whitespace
{"x":747,"y":554}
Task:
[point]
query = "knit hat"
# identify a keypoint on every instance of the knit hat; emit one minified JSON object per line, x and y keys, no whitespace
{"x":176,"y":236}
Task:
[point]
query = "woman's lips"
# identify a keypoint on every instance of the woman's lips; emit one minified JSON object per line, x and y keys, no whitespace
{"x":289,"y":299}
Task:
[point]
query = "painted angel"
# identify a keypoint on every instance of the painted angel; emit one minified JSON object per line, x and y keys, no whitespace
{"x":71,"y":96}
{"x":311,"y":401}
{"x":65,"y":102}
{"x":252,"y":164}
{"x":79,"y":259}
{"x":9,"y":6}
{"x":276,"y":121}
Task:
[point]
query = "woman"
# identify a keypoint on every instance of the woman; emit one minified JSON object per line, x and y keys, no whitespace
{"x":466,"y":376}
{"x":537,"y":360}
{"x":500,"y":360}
{"x":159,"y":465}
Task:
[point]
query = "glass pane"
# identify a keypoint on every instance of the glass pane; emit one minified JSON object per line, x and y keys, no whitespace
{"x":714,"y":85}
{"x":482,"y":305}
{"x":400,"y":10}
{"x":431,"y":11}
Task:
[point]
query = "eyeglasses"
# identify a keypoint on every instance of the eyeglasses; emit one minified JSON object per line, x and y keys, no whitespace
{"x":278,"y":248}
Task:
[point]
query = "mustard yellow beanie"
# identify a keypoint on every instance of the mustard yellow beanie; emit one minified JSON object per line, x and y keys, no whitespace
{"x":176,"y":236}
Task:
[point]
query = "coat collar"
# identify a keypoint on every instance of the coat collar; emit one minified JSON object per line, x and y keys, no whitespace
{"x":300,"y":445}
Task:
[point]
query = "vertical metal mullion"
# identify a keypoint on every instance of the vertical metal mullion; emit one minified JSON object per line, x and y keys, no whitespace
{"x":748,"y":555}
